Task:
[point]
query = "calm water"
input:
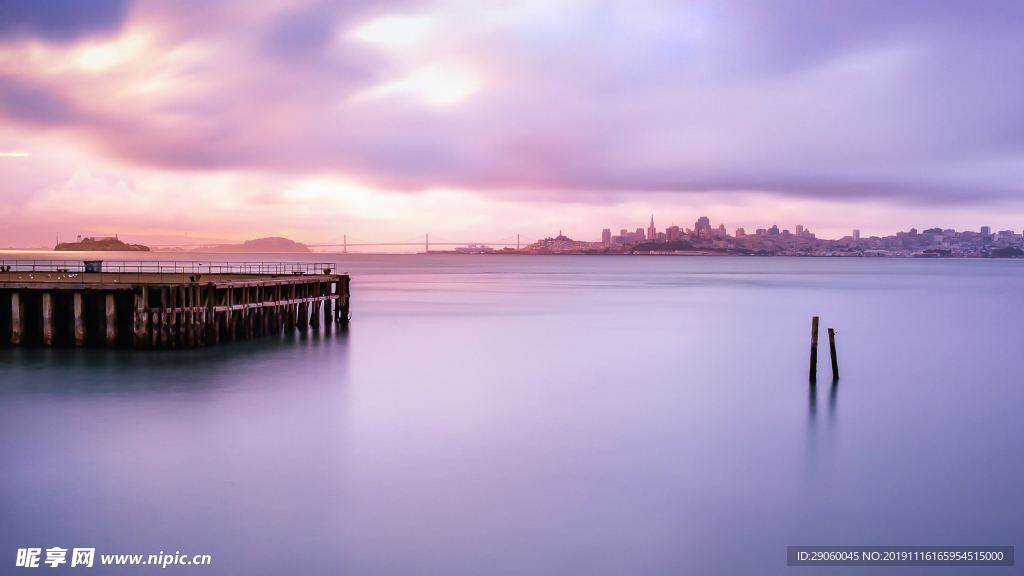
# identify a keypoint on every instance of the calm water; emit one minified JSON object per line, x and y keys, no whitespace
{"x":543,"y":415}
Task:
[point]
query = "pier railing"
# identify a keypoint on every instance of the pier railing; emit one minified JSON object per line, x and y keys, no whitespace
{"x":167,"y":267}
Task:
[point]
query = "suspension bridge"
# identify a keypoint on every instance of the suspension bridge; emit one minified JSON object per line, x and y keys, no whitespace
{"x":518,"y":241}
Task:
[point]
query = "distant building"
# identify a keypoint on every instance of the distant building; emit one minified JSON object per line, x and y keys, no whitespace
{"x":640,"y":237}
{"x":774,"y":230}
{"x":672,"y":233}
{"x":741,"y":233}
{"x":799,"y":230}
{"x":986,"y":230}
{"x":703,"y":223}
{"x":606,"y":237}
{"x":856,"y":234}
{"x":652,"y":232}
{"x":721,"y":231}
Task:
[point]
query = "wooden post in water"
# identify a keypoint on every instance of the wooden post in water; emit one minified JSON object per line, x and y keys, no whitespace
{"x":79,"y":323}
{"x":139,"y":335}
{"x":198,"y":316}
{"x":814,"y":350}
{"x":212,"y":331}
{"x":231,"y":316}
{"x":328,"y":308}
{"x":47,"y":319}
{"x":17,"y":318}
{"x":832,"y":349}
{"x":111,"y":320}
{"x":165,"y":317}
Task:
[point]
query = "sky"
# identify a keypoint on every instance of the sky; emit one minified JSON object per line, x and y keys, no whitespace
{"x":476,"y":121}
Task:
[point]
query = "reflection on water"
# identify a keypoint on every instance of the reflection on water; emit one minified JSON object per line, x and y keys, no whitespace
{"x":534,"y":415}
{"x":832,"y":395}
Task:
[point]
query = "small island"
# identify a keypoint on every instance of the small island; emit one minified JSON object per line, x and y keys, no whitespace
{"x":271,"y":244}
{"x":107,"y":244}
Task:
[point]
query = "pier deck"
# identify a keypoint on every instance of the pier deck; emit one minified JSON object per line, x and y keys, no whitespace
{"x":164,"y":304}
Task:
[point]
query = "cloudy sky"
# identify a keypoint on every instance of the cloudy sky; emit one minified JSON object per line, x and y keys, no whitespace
{"x":476,"y":120}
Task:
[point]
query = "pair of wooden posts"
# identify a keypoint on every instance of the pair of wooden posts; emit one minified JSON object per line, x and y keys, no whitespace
{"x":814,"y":352}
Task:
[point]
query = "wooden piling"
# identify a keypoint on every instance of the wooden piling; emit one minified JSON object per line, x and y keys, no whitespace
{"x":328,"y":312}
{"x":211,"y":322}
{"x":814,"y":350}
{"x":17,"y":318}
{"x":137,"y":331}
{"x":832,"y":349}
{"x":78,"y":320}
{"x":47,"y":319}
{"x":111,"y":320}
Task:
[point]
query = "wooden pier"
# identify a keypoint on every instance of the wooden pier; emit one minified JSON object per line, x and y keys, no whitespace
{"x":165,"y":304}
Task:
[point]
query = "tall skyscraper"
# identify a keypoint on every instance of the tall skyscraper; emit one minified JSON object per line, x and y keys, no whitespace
{"x":606,"y":237}
{"x":652,"y":233}
{"x":799,"y":229}
{"x":856,"y":234}
{"x":986,"y":230}
{"x":702,"y":223}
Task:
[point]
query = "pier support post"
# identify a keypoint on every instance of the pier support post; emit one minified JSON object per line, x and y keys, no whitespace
{"x":814,"y":350}
{"x":314,"y":314}
{"x":328,"y":306}
{"x":212,"y":330}
{"x":17,"y":318}
{"x":78,"y":320}
{"x":197,"y":315}
{"x":164,"y":332}
{"x":47,"y":319}
{"x":231,"y":319}
{"x":139,"y":332}
{"x":832,"y":349}
{"x":111,"y":320}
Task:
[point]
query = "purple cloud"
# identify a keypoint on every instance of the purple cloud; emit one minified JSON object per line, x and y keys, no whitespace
{"x":913,"y":101}
{"x":60,"y":21}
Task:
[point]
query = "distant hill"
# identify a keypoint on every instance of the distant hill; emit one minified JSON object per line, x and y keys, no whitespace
{"x":99,"y":245}
{"x":272,"y":244}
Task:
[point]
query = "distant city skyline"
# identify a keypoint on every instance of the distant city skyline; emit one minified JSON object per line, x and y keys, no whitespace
{"x":705,"y":239}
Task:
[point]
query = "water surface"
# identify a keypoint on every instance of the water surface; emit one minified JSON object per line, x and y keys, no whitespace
{"x":530,"y":415}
